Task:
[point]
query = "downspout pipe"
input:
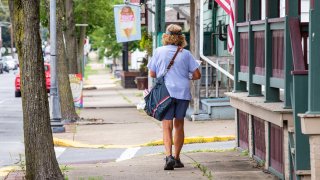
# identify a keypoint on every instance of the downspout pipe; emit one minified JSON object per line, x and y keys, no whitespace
{"x":215,"y":65}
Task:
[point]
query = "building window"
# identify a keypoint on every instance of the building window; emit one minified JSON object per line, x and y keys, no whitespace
{"x":305,"y":6}
{"x":282,"y":8}
{"x":263,"y":9}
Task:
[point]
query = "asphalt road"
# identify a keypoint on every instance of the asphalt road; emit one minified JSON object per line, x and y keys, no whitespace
{"x":11,"y":136}
{"x":11,"y":126}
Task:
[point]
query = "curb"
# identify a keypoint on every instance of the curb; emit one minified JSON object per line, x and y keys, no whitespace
{"x":89,"y":88}
{"x":75,"y":144}
{"x":187,"y":140}
{"x":193,"y":140}
{"x":6,"y":170}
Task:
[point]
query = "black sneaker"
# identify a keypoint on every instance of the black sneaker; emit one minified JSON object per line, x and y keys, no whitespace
{"x":178,"y":164}
{"x":170,"y":162}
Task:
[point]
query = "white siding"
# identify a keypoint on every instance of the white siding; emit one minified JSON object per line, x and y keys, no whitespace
{"x":263,"y":9}
{"x":305,"y":6}
{"x":282,"y":8}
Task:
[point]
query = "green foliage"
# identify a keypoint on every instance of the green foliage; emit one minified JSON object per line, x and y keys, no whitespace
{"x":89,"y":71}
{"x":4,"y":12}
{"x":245,"y":153}
{"x":44,"y":13}
{"x":211,"y":150}
{"x":143,"y":67}
{"x":92,"y":178}
{"x":146,"y":42}
{"x":205,"y":171}
{"x":99,"y":16}
{"x":5,"y":30}
{"x":64,"y":169}
{"x":22,"y":162}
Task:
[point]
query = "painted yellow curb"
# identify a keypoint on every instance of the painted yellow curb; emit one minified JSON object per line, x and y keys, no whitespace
{"x":192,"y":140}
{"x":6,"y":170}
{"x":187,"y":140}
{"x":75,"y":144}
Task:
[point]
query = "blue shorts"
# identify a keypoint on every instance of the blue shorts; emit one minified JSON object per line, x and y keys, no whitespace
{"x":177,"y":109}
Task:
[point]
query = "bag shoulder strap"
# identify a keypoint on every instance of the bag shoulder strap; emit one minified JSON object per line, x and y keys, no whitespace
{"x":172,"y":61}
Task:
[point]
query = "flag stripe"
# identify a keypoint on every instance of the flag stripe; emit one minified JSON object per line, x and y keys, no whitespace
{"x":224,"y":4}
{"x":228,"y":7}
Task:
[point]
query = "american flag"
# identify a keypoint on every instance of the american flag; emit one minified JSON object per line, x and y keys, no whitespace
{"x":228,"y":7}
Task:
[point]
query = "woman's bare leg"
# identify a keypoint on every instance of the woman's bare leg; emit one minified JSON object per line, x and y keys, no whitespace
{"x":178,"y":136}
{"x":167,"y":126}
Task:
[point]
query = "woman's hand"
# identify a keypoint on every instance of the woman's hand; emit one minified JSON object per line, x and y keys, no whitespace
{"x":152,"y":74}
{"x":196,"y":74}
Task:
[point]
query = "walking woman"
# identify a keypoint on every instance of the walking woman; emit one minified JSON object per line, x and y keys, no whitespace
{"x":184,"y":69}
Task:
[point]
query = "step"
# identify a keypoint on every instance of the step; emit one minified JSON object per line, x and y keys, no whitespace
{"x":303,"y":172}
{"x":200,"y":116}
{"x":218,"y":108}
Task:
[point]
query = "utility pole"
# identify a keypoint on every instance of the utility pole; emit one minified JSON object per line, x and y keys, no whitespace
{"x":56,"y":124}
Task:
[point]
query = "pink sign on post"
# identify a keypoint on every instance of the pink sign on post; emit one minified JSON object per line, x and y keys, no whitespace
{"x":135,"y":1}
{"x":76,"y":84}
{"x":127,"y":22}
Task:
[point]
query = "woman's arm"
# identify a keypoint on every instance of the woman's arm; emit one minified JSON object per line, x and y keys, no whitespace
{"x":196,"y":74}
{"x":152,"y":74}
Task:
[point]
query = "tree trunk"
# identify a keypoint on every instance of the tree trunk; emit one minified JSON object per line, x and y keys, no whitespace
{"x":70,"y":35}
{"x":194,"y":48}
{"x":66,"y":100}
{"x":80,"y":48}
{"x":41,"y":162}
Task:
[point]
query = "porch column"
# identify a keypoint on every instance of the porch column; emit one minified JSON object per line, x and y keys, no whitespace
{"x":310,"y":122}
{"x":239,"y":86}
{"x":315,"y":156}
{"x":271,"y":94}
{"x":160,"y":24}
{"x":314,"y":84}
{"x":254,"y":89}
{"x":291,"y":11}
{"x":314,"y":58}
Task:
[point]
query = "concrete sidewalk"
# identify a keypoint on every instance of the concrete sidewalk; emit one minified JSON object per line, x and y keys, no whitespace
{"x":110,"y":117}
{"x":200,"y":165}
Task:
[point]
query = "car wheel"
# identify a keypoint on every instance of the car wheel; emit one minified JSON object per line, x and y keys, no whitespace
{"x":17,"y":94}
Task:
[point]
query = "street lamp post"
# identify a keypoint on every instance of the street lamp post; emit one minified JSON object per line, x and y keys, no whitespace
{"x":56,"y":124}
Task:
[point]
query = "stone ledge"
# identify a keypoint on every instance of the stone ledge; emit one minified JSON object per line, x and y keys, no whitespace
{"x":272,"y":112}
{"x":310,"y":124}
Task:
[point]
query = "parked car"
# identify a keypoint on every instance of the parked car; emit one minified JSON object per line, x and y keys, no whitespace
{"x":9,"y":63}
{"x":1,"y":66}
{"x":47,"y":75}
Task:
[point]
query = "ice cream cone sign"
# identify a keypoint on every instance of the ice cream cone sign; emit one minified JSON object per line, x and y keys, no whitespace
{"x":127,"y":22}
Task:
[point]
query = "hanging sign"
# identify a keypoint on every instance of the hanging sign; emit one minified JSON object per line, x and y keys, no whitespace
{"x":127,"y":22}
{"x":76,"y":88}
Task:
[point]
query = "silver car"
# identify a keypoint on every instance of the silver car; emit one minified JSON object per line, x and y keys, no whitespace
{"x":9,"y":63}
{"x":1,"y":66}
